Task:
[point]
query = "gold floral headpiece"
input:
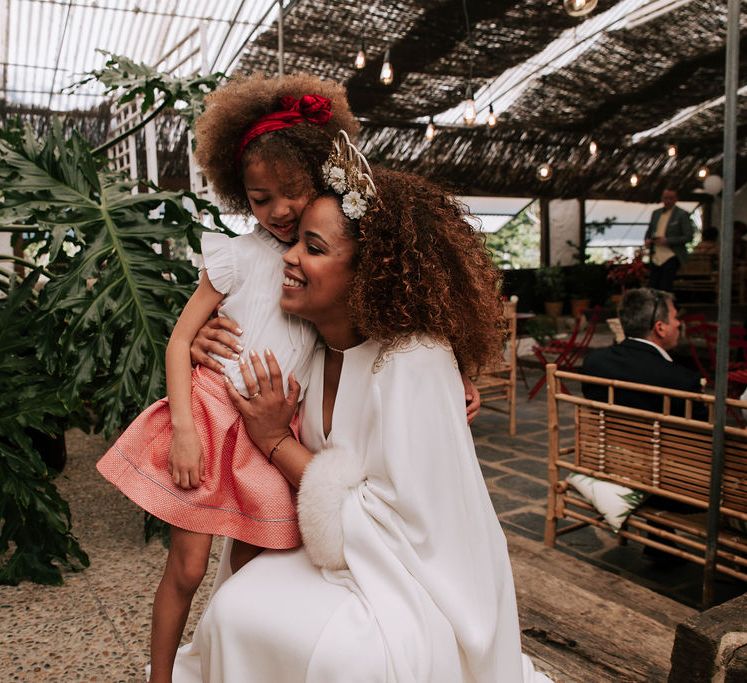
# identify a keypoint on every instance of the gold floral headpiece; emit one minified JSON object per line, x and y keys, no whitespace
{"x":347,"y":172}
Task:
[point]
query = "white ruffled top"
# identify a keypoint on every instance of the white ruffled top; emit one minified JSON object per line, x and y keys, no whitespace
{"x":248,"y":269}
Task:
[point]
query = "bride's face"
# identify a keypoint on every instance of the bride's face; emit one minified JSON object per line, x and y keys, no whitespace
{"x":319,"y":267}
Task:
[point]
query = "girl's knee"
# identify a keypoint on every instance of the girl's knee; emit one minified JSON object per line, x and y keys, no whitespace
{"x":188,"y":570}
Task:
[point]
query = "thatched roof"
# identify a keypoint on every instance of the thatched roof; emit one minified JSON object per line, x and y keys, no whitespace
{"x":634,"y":77}
{"x":627,"y":81}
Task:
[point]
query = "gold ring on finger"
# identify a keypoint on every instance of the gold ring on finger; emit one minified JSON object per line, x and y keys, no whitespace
{"x":254,"y":395}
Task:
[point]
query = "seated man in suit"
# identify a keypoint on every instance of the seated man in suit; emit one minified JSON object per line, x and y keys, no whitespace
{"x":649,"y":320}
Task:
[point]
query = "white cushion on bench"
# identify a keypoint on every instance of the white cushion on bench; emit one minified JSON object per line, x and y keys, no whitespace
{"x":612,"y":501}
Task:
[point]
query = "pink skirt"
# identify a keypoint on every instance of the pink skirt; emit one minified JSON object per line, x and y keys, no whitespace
{"x":243,"y":496}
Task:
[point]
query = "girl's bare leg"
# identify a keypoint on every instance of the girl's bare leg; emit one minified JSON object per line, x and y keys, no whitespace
{"x":241,"y":553}
{"x":185,"y":568}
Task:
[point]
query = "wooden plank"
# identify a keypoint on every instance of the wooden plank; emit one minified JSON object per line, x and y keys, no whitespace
{"x":586,"y":622}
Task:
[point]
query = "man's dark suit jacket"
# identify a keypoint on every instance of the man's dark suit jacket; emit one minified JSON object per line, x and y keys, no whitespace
{"x":634,"y":361}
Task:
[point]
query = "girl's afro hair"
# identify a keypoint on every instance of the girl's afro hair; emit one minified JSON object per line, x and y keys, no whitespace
{"x":233,"y":108}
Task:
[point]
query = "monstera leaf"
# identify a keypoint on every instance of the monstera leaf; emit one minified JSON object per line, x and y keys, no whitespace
{"x":36,"y":537}
{"x":128,"y":80}
{"x":108,"y":309}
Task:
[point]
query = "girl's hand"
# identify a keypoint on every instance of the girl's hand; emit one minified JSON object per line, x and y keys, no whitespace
{"x":268,"y":413}
{"x":215,"y":336}
{"x":471,"y":397}
{"x":186,"y":463}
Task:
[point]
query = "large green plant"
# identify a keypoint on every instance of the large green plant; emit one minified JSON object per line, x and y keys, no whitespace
{"x":35,"y":537}
{"x":93,"y":338}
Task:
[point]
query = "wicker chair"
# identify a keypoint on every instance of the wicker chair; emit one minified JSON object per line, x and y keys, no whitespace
{"x":497,"y":385}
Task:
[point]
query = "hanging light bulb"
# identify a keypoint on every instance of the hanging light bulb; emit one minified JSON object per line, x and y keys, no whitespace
{"x":633,"y":180}
{"x":703,"y":172}
{"x":491,"y":117}
{"x":579,"y":8}
{"x":387,"y":73}
{"x":430,"y":130}
{"x":360,"y":58}
{"x":672,"y":151}
{"x":544,"y":172}
{"x":593,"y":148}
{"x":470,"y":112}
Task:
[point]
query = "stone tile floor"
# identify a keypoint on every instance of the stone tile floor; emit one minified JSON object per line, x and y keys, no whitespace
{"x":95,"y":627}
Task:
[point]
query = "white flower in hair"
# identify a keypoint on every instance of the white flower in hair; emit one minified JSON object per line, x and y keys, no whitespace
{"x":353,"y":205}
{"x":347,"y":172}
{"x":334,"y":176}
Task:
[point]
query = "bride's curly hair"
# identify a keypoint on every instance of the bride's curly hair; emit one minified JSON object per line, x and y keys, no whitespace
{"x":301,"y":149}
{"x":421,"y":267}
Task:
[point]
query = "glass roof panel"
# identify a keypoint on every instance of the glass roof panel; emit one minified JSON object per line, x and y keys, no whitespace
{"x":51,"y":43}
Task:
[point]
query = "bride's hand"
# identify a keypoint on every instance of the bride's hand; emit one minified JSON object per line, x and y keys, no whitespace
{"x":215,"y":336}
{"x":268,"y":412}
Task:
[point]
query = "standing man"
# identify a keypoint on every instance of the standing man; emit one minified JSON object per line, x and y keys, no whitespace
{"x":667,"y":236}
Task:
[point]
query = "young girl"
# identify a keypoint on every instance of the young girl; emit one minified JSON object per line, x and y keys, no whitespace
{"x":187,"y":459}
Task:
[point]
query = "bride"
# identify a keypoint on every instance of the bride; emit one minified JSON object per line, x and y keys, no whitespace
{"x":404,"y":573}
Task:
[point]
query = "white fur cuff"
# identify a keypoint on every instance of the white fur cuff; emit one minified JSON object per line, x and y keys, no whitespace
{"x":326,"y":483}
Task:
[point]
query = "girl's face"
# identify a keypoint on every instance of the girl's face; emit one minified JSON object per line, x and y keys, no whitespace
{"x":319,"y":268}
{"x":277,"y":204}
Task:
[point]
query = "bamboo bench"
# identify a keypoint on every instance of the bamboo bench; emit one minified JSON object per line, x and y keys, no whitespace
{"x":657,"y":453}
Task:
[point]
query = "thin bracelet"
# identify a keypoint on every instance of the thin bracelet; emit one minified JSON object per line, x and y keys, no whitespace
{"x":276,"y":446}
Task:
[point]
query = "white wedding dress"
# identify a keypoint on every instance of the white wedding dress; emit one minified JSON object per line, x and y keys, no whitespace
{"x":415,"y":584}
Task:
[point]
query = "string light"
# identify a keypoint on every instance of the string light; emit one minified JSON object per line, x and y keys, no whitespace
{"x":672,"y":151}
{"x":430,"y":130}
{"x":593,"y":148}
{"x":579,"y":8}
{"x":544,"y":172}
{"x":360,"y":58}
{"x":470,"y":112}
{"x":387,"y":72}
{"x":633,"y":180}
{"x":491,"y":117}
{"x":703,"y":172}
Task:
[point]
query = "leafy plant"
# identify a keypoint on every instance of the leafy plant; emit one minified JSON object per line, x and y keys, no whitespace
{"x":157,"y":90}
{"x":550,"y":283}
{"x":89,"y":349}
{"x":108,"y":310}
{"x":36,"y":535}
{"x":542,"y":329}
{"x":626,"y":274}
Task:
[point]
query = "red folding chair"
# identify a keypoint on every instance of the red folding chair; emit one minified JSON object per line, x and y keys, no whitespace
{"x":702,"y":337}
{"x":565,"y":353}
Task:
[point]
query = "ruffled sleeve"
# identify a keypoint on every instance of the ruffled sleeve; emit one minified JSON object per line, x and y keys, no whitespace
{"x":219,"y":260}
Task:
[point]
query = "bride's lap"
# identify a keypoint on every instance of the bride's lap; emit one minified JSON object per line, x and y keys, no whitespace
{"x":265,"y":622}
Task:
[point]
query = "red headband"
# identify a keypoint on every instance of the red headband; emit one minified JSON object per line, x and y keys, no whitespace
{"x":308,"y":109}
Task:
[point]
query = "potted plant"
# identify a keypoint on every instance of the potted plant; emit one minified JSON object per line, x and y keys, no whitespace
{"x":551,"y":288}
{"x":626,"y":274}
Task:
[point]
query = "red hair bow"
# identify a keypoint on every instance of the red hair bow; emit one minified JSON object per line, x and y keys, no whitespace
{"x":307,"y":109}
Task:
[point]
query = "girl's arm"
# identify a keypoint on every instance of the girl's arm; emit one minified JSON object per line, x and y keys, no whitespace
{"x":185,"y":456}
